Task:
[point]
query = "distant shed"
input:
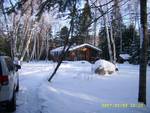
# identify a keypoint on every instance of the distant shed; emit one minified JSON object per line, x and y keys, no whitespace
{"x":80,"y":52}
{"x":126,"y":57}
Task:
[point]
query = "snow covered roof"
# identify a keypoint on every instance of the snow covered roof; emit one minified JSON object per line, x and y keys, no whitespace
{"x":59,"y":49}
{"x":125,"y":56}
{"x":83,"y":45}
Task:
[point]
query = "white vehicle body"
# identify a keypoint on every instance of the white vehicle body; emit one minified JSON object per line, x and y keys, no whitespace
{"x":9,"y":82}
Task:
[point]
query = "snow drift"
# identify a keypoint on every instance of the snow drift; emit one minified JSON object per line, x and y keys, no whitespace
{"x":103,"y":67}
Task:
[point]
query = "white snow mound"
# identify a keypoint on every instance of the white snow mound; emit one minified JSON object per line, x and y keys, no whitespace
{"x":104,"y":67}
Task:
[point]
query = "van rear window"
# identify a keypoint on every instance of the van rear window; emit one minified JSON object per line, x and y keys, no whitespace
{"x":0,"y":69}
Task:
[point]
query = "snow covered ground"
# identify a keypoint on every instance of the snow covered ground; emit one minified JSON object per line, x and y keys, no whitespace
{"x":75,"y":89}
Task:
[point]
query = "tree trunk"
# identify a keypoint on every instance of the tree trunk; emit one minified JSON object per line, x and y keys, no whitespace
{"x":113,"y":44}
{"x":106,"y":22}
{"x":41,"y":48}
{"x":63,"y":54}
{"x":117,"y":24}
{"x":108,"y":37}
{"x":143,"y":56}
{"x":38,"y":46}
{"x":26,"y":47}
{"x":66,"y":47}
{"x":33,"y":54}
{"x":47,"y":47}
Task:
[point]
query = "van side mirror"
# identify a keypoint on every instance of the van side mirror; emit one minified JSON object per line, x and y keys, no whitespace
{"x":17,"y":67}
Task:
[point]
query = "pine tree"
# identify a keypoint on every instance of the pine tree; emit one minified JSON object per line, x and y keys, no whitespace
{"x":63,"y":33}
{"x":128,"y":41}
{"x":84,"y":19}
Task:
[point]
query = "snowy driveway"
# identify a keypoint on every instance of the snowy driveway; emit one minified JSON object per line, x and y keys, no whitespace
{"x":75,"y":89}
{"x":31,"y":77}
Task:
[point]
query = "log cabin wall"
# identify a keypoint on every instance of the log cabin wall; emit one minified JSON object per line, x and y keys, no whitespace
{"x":84,"y":53}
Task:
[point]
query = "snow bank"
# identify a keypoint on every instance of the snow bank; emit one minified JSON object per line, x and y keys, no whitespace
{"x":103,"y":67}
{"x":125,"y":56}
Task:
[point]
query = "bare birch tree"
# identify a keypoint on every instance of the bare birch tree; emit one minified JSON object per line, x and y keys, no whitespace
{"x":107,"y":26}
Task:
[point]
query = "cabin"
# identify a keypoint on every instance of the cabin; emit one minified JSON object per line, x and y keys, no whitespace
{"x":84,"y":51}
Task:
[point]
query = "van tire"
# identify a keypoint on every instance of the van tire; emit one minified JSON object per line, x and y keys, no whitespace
{"x":11,"y":107}
{"x":17,"y":87}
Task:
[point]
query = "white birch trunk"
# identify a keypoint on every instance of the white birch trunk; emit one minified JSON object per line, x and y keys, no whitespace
{"x":113,"y":45}
{"x":108,"y":37}
{"x":47,"y":48}
{"x":33,"y":54}
{"x":26,"y":47}
{"x":41,"y":48}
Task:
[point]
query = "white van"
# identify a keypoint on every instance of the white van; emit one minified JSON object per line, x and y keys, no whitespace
{"x":9,"y":83}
